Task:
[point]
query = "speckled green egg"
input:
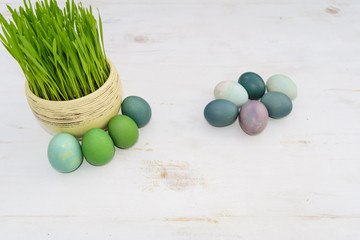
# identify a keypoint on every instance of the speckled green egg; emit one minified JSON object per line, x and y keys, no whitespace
{"x":254,"y":85}
{"x":138,"y":109}
{"x":282,"y":83}
{"x":123,"y":130}
{"x":278,"y":104}
{"x":64,"y":153}
{"x":97,"y":147}
{"x":232,"y":91}
{"x":220,"y":113}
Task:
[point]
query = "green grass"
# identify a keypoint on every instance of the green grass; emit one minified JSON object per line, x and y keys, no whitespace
{"x":61,"y":52}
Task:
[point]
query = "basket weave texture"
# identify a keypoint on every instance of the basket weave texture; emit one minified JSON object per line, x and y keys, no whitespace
{"x":79,"y":115}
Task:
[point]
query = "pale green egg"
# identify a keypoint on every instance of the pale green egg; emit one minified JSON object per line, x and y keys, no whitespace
{"x":231,"y":91}
{"x":282,"y":83}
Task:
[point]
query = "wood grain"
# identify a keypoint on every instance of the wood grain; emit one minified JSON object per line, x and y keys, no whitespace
{"x":184,"y":179}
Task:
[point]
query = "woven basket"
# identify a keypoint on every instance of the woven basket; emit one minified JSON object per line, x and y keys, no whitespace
{"x":79,"y":115}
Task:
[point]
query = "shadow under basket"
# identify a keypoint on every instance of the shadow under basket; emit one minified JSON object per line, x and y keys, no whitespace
{"x":79,"y":115}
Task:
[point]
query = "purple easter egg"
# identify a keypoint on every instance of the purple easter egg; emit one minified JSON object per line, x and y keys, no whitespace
{"x":253,"y":117}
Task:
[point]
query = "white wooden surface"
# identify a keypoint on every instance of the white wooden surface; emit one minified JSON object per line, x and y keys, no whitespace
{"x":299,"y":179}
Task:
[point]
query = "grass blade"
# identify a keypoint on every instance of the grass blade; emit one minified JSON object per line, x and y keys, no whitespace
{"x":61,"y":52}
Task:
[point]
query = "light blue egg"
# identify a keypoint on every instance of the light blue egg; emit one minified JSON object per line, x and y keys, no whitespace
{"x":64,"y":153}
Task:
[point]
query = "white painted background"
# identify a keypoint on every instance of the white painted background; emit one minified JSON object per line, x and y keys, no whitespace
{"x":299,"y":179}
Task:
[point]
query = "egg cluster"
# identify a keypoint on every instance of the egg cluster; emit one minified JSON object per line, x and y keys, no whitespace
{"x":65,"y":153}
{"x":248,"y":101}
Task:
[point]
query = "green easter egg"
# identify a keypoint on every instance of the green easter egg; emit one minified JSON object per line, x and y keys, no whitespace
{"x":97,"y":147}
{"x":254,"y":85}
{"x":138,"y":109}
{"x":123,"y":130}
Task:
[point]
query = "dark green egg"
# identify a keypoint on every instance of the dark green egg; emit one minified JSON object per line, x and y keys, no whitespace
{"x":278,"y":104}
{"x":254,"y":85}
{"x":221,"y":113}
{"x":137,"y":109}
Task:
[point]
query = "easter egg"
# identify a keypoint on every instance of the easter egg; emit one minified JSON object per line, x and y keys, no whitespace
{"x":64,"y":153}
{"x":278,"y":104}
{"x":97,"y":146}
{"x":282,"y":83}
{"x":231,"y":91}
{"x":221,"y":112}
{"x":253,"y":117}
{"x":254,"y":85}
{"x":123,"y":130}
{"x":137,"y":109}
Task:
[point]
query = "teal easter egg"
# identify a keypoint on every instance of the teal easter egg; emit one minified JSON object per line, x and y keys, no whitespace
{"x":254,"y":85}
{"x":64,"y":153}
{"x":231,"y":91}
{"x":220,"y":112}
{"x":138,"y":109}
{"x":278,"y":104}
{"x":282,"y":83}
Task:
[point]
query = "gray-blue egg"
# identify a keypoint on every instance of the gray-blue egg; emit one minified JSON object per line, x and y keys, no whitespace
{"x":137,"y":109}
{"x":278,"y":104}
{"x":220,"y":112}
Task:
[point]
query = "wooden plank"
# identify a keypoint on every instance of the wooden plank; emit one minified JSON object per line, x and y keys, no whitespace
{"x":185,"y":179}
